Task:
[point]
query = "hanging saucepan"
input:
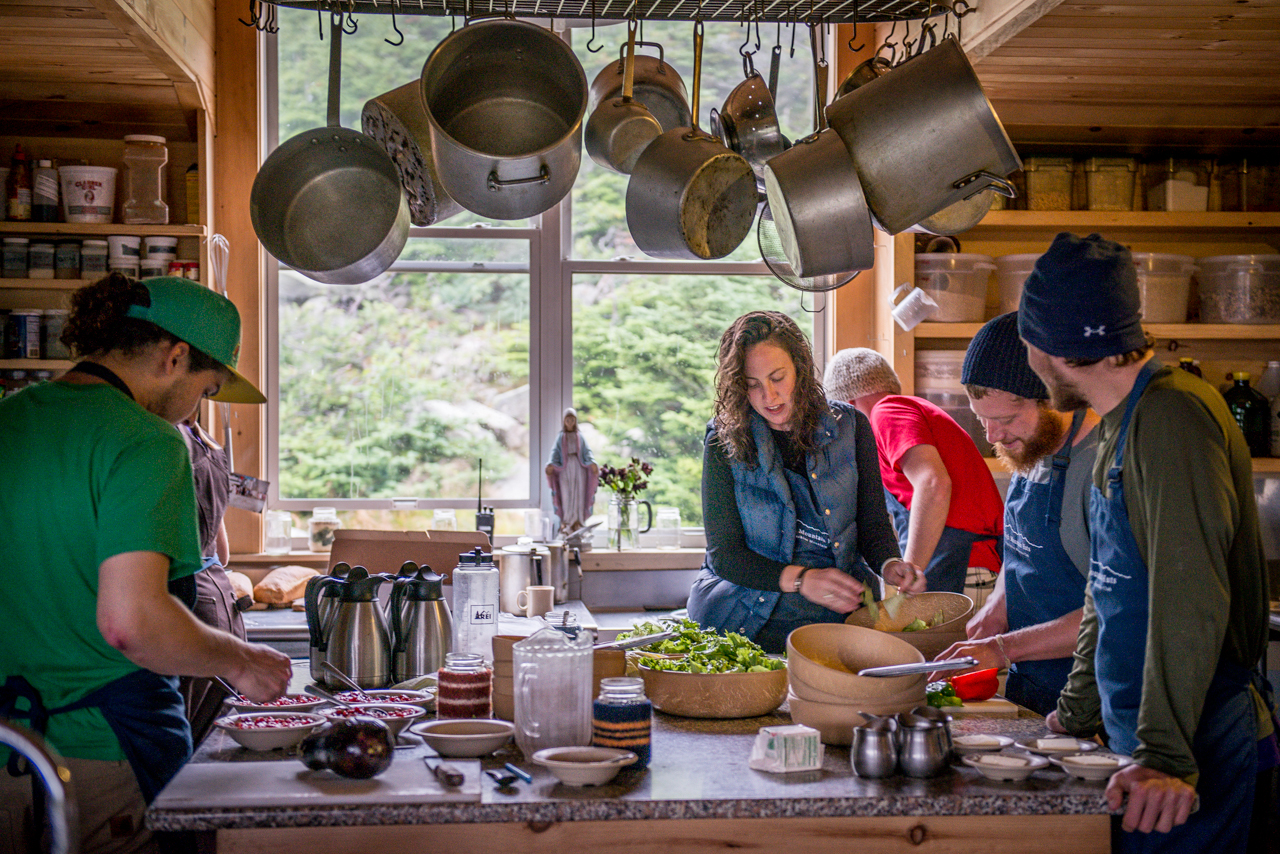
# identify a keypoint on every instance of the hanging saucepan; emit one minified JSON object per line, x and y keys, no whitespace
{"x":655,"y":84}
{"x":748,"y":122}
{"x":817,"y":216}
{"x":397,"y":121}
{"x":875,"y":67}
{"x":689,"y":196}
{"x":620,"y":128}
{"x":506,"y":102}
{"x":958,"y":217}
{"x":328,"y":202}
{"x":924,"y":137}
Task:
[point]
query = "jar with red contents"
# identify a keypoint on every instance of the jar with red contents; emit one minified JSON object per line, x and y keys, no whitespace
{"x":464,"y":687}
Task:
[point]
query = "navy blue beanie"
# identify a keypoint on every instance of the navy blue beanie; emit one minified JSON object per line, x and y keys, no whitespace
{"x":997,"y":359}
{"x":1081,"y":300}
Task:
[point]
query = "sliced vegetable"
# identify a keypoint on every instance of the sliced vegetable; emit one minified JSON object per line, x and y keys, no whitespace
{"x":915,"y":625}
{"x":893,"y":605}
{"x":869,"y":600}
{"x":977,"y":685}
{"x":941,"y":694}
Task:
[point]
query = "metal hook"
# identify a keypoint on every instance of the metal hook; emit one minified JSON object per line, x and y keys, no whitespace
{"x":742,"y":48}
{"x":592,"y":41}
{"x":853,"y":32}
{"x":350,"y":21}
{"x":253,"y":15}
{"x":273,"y":22}
{"x":792,"y":54}
{"x":930,"y":31}
{"x":394,"y":27}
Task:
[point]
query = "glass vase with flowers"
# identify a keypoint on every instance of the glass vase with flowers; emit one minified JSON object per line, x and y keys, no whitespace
{"x":626,"y":483}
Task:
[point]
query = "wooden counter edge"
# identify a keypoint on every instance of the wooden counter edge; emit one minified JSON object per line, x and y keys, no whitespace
{"x":993,"y":834}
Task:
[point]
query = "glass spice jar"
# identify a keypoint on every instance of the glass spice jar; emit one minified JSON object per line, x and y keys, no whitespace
{"x":321,"y":528}
{"x":622,"y":717}
{"x":464,"y":687}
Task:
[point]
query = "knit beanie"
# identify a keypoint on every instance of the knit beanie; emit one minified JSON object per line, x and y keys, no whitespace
{"x":1081,"y":300}
{"x":997,"y":359}
{"x":859,"y":371}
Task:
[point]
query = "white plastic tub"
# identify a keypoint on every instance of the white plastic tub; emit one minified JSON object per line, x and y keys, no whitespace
{"x":1239,"y":288}
{"x":1164,"y":285}
{"x":1011,"y":274}
{"x":957,"y":282}
{"x":88,"y":193}
{"x":939,"y":370}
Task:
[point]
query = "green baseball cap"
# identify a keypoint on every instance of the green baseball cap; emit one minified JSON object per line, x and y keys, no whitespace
{"x":204,"y":319}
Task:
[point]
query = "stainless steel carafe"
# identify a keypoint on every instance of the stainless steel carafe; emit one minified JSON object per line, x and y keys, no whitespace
{"x":355,"y":639}
{"x":320,"y":599}
{"x":421,"y":625}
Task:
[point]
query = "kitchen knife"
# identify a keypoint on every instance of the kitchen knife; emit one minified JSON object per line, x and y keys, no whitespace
{"x":446,"y":774}
{"x":922,"y":667}
{"x":633,"y":643}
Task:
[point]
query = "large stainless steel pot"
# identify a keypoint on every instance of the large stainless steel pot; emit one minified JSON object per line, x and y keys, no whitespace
{"x":924,"y":137}
{"x":397,"y":121}
{"x":655,"y":84}
{"x":506,"y":101}
{"x":818,"y":207}
{"x":328,"y":201}
{"x":689,"y":196}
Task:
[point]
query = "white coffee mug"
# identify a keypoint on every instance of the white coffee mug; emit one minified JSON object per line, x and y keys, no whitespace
{"x":535,"y":600}
{"x":916,"y":307}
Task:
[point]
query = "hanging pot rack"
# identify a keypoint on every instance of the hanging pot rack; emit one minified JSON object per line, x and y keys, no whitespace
{"x":763,"y":11}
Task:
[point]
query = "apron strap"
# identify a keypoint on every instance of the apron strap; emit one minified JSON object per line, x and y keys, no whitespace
{"x":1058,"y":473}
{"x":93,"y":369}
{"x":1139,"y":386}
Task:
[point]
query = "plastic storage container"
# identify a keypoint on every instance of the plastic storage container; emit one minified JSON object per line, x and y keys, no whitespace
{"x":1048,"y":183}
{"x":1164,"y":285}
{"x":1110,"y":182}
{"x":40,"y":260}
{"x":144,"y":158}
{"x":88,"y":193}
{"x":93,"y":259}
{"x":321,"y":526}
{"x":957,"y":282}
{"x":1011,"y":273}
{"x":939,"y":369}
{"x":66,"y":259}
{"x":956,"y":404}
{"x":1239,"y":288}
{"x":15,"y":257}
{"x":22,"y":333}
{"x":52,"y":324}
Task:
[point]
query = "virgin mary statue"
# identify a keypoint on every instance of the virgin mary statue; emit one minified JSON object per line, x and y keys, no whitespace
{"x":573,"y":476}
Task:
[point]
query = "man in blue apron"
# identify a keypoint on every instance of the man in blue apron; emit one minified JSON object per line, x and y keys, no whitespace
{"x":1175,"y":615}
{"x":98,"y":516}
{"x":945,"y":505}
{"x":1030,"y":622}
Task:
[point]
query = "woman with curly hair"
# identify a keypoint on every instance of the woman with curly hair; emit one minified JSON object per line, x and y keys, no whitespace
{"x":791,"y":495}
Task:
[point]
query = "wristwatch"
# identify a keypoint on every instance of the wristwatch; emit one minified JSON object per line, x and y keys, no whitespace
{"x":800,"y":577}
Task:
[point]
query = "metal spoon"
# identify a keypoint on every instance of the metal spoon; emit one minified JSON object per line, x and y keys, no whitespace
{"x":503,"y":781}
{"x":230,"y":691}
{"x":348,"y":681}
{"x":317,"y":691}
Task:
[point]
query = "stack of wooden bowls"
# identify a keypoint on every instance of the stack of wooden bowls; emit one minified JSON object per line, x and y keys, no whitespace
{"x":956,"y":610}
{"x":826,"y":692}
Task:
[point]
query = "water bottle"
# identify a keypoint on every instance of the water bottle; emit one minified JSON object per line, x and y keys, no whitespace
{"x":1269,"y":383}
{"x":1252,"y":412}
{"x":475,"y":604}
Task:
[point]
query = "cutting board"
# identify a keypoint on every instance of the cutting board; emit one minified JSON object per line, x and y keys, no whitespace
{"x":231,"y":785}
{"x":996,"y":707}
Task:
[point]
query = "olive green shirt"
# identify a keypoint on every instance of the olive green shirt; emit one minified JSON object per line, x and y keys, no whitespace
{"x":1188,"y":488}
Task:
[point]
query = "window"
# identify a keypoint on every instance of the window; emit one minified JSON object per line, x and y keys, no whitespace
{"x":470,"y":346}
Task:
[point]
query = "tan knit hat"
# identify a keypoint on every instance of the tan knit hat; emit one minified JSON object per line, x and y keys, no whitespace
{"x":859,"y":371}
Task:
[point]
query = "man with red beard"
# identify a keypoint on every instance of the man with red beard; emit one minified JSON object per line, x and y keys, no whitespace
{"x":1030,"y":622}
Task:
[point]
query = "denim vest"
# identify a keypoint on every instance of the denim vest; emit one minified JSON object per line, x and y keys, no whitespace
{"x":768,"y":513}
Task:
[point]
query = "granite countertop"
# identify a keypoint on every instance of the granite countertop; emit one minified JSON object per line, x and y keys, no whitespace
{"x":699,"y":770}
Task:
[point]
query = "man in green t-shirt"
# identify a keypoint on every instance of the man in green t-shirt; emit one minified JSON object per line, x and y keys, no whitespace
{"x":1175,"y":613}
{"x":98,"y":516}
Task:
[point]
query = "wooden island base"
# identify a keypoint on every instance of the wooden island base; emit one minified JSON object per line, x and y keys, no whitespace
{"x":1006,"y":834}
